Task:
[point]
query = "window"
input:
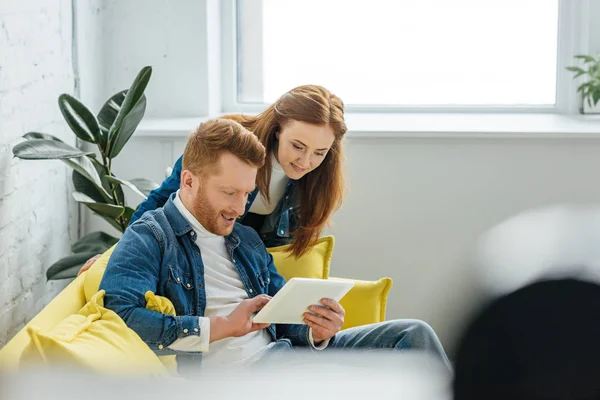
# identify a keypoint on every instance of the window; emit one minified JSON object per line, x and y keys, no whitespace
{"x":400,"y":53}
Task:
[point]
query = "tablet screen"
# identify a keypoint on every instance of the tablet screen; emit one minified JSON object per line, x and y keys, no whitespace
{"x":294,"y":298}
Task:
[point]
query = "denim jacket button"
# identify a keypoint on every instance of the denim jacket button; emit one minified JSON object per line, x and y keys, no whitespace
{"x":251,"y":291}
{"x":195,"y":329}
{"x":178,"y":279}
{"x":188,"y":285}
{"x":160,"y":347}
{"x":185,"y":331}
{"x":192,"y":233}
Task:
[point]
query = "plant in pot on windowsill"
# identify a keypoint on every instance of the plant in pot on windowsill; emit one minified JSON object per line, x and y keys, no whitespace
{"x":95,"y":185}
{"x":590,"y":89}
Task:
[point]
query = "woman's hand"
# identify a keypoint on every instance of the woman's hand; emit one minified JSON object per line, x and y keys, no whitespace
{"x":88,"y":264}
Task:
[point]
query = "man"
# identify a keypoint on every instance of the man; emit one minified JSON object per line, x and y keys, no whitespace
{"x":218,"y":273}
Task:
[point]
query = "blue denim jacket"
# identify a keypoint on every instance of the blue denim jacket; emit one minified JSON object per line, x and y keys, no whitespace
{"x":158,"y":253}
{"x":276,"y":228}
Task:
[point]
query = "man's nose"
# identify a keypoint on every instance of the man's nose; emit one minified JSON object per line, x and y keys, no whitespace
{"x":239,"y":206}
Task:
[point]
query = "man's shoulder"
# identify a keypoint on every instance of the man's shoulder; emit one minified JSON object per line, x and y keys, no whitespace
{"x":154,"y":220}
{"x":151,"y":217}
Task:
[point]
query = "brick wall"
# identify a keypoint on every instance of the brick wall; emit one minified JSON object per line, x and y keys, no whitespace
{"x":38,"y":218}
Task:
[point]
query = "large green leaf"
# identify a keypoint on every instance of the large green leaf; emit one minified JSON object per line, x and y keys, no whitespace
{"x":130,"y":124}
{"x":87,"y":187}
{"x":97,"y":242}
{"x":128,"y":184}
{"x":85,"y":167}
{"x":38,"y":135}
{"x":107,"y":116}
{"x":101,"y":169}
{"x":80,"y":119}
{"x":119,"y":192}
{"x":68,"y":267}
{"x":130,"y":114}
{"x":127,"y":215}
{"x":112,"y":222}
{"x":144,"y":185}
{"x":45,"y":149}
{"x":107,"y":210}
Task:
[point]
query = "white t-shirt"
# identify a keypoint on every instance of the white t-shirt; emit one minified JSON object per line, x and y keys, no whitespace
{"x":277,"y":186}
{"x":224,"y":292}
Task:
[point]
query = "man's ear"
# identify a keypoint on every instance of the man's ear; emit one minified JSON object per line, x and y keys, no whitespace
{"x":187,"y":179}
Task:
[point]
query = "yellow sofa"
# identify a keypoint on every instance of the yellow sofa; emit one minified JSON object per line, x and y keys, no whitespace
{"x":68,"y":302}
{"x":364,"y":304}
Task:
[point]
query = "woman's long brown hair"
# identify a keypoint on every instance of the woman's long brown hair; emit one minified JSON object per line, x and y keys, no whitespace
{"x":321,"y":190}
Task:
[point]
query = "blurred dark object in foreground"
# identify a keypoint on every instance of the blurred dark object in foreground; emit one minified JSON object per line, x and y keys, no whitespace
{"x":539,"y":342}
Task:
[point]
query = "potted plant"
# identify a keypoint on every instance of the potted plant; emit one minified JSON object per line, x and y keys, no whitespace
{"x":95,"y":185}
{"x":590,"y":89}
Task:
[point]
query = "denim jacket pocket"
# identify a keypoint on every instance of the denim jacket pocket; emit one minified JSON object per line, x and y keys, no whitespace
{"x":181,"y":278}
{"x":264,"y":279}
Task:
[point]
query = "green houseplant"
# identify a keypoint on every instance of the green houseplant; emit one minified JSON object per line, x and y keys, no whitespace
{"x":590,"y":89}
{"x":95,"y":185}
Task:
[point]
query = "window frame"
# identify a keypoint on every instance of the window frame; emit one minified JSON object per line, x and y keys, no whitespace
{"x":573,"y":33}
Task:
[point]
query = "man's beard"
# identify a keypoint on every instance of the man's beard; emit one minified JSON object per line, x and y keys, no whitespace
{"x":208,"y":216}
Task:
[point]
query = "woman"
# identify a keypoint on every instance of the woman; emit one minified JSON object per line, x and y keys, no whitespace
{"x":301,"y":183}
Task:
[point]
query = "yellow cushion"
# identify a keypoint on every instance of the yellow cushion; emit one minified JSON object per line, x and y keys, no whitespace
{"x":93,"y":276}
{"x":164,"y":306}
{"x":96,"y":339}
{"x":314,"y":264}
{"x":159,"y":303}
{"x":366,"y":302}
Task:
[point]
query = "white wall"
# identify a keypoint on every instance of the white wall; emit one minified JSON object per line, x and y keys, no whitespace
{"x":170,"y":36}
{"x":88,"y":54}
{"x":594,"y":28}
{"x":37,"y":216}
{"x":415,"y":208}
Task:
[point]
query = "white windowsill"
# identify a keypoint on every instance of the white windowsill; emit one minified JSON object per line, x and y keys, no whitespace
{"x":414,"y":125}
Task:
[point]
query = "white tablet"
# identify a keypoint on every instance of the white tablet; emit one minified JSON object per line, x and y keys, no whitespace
{"x":294,"y":298}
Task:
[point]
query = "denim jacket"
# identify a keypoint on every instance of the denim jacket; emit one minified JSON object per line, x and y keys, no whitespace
{"x":277,"y":225}
{"x":158,"y":253}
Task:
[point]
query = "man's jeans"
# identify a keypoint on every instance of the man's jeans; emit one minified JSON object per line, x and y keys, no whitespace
{"x":396,"y":335}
